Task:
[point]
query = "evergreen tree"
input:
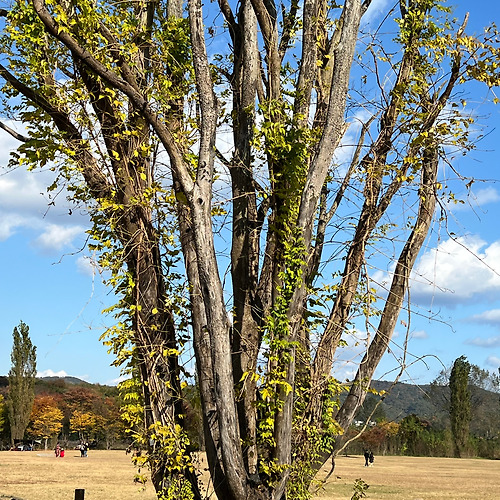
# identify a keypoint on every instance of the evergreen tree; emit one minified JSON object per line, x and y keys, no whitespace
{"x":3,"y":416}
{"x":21,"y":382}
{"x":460,"y":407}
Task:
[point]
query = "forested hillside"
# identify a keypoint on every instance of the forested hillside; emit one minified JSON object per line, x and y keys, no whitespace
{"x":91,"y":411}
{"x":71,"y":410}
{"x":431,"y":402}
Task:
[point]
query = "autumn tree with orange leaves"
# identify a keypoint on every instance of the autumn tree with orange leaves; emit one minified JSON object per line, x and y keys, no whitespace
{"x":46,"y":419}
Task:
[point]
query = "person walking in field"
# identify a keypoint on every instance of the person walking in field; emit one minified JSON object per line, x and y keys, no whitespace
{"x":57,"y":450}
{"x":371,"y":458}
{"x":367,"y":457}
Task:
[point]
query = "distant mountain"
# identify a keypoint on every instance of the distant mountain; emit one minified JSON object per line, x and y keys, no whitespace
{"x":67,"y":380}
{"x":431,"y":403}
{"x":4,"y":381}
{"x":426,"y":401}
{"x":60,"y":385}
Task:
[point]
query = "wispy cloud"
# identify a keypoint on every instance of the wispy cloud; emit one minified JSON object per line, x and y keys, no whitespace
{"x":26,"y":205}
{"x":344,"y":153}
{"x":9,"y":223}
{"x":56,"y":237}
{"x":491,"y":317}
{"x":375,"y":11}
{"x":486,"y":195}
{"x":476,"y":200}
{"x":487,"y":342}
{"x":87,"y":265}
{"x":419,"y":334}
{"x":116,"y":381}
{"x":51,"y":373}
{"x":493,"y":361}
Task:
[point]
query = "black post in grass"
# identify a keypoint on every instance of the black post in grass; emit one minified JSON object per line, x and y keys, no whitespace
{"x":79,"y":494}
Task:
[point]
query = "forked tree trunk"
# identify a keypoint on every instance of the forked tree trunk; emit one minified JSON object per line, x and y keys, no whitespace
{"x":290,"y":204}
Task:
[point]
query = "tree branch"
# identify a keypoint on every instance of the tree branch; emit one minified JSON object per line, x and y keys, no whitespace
{"x":326,"y":216}
{"x":234,"y":28}
{"x":13,"y":133}
{"x":95,"y":179}
{"x":334,"y":126}
{"x":119,"y":83}
{"x":289,"y":21}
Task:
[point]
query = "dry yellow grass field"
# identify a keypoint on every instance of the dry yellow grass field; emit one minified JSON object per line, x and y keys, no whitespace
{"x":415,"y":478}
{"x":39,"y":475}
{"x":108,"y":475}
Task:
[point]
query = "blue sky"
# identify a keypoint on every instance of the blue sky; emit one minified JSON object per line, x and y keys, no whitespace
{"x":50,"y":284}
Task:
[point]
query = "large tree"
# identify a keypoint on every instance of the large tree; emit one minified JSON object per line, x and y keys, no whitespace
{"x":46,"y":418}
{"x":460,"y":405}
{"x":179,"y":137}
{"x":21,"y":382}
{"x":3,"y":416}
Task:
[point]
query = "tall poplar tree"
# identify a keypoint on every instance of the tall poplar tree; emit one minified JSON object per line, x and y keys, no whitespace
{"x":460,"y":407}
{"x":21,"y":382}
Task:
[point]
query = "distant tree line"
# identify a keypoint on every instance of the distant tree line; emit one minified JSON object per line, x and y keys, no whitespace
{"x":49,"y":410}
{"x":36,"y":410}
{"x":466,"y":422}
{"x":67,"y":413}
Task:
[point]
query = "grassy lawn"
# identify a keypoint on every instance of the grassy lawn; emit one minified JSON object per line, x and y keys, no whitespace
{"x":38,"y":475}
{"x":415,"y":478}
{"x":108,"y":475}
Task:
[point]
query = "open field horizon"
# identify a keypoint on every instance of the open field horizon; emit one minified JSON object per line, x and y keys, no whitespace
{"x":414,"y":478}
{"x":108,"y":475}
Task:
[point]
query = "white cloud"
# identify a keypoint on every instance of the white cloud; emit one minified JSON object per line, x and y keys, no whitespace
{"x":116,"y":381}
{"x":344,"y":371}
{"x":493,"y":361}
{"x":458,"y":271}
{"x":348,"y":356}
{"x":25,"y":204}
{"x":343,"y":154}
{"x":87,"y":265}
{"x":51,"y":373}
{"x":484,"y":342}
{"x":9,"y":223}
{"x":61,"y":374}
{"x":419,"y":334}
{"x":57,"y":237}
{"x":476,"y":200}
{"x":491,"y":317}
{"x":21,"y":191}
{"x":486,"y":195}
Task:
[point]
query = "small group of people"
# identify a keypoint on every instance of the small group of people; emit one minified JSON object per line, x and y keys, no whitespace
{"x":59,"y":451}
{"x":84,"y":446}
{"x":369,"y":458}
